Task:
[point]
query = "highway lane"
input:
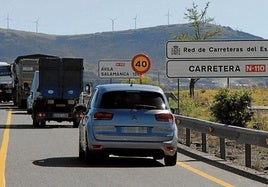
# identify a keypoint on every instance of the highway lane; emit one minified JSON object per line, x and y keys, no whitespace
{"x":49,"y":157}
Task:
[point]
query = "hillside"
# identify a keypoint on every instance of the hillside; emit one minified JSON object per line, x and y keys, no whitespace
{"x":105,"y":45}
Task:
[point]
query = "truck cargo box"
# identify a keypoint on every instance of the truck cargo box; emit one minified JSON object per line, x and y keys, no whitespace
{"x":61,"y":78}
{"x":60,"y":85}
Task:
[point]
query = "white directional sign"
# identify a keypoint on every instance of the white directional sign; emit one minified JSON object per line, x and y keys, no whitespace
{"x":217,"y":49}
{"x":116,"y":69}
{"x":219,"y":58}
{"x":219,"y":68}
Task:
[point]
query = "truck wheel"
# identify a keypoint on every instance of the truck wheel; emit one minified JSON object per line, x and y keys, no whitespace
{"x":43,"y":123}
{"x":75,"y":124}
{"x":29,"y":111}
{"x":35,"y":123}
{"x":39,"y":123}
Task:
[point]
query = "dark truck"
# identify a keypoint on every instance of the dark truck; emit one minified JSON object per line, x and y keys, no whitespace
{"x":23,"y":70}
{"x":60,"y":84}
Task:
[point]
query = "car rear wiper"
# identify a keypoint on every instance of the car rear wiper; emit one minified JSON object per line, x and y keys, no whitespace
{"x":141,"y":106}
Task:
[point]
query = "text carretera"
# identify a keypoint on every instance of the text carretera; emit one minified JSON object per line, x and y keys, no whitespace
{"x":214,"y":68}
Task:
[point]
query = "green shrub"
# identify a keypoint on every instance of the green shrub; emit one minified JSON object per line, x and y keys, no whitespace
{"x":189,"y":107}
{"x":232,"y":108}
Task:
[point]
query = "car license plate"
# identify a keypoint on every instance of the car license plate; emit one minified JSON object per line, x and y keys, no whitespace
{"x":135,"y":129}
{"x":60,"y":115}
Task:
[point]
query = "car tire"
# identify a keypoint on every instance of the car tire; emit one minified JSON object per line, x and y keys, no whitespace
{"x":170,"y":160}
{"x":89,"y":157}
{"x":81,"y":151}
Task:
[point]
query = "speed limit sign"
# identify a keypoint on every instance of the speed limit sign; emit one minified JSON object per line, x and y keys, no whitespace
{"x":140,"y":63}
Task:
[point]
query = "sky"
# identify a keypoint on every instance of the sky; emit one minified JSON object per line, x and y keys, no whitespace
{"x":72,"y":17}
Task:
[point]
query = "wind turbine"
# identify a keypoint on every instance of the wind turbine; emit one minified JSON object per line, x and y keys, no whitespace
{"x":112,"y":19}
{"x":7,"y":19}
{"x":168,"y":16}
{"x":135,"y":20}
{"x":36,"y":25}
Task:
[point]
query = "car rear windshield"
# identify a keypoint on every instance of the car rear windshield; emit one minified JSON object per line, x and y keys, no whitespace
{"x":132,"y":100}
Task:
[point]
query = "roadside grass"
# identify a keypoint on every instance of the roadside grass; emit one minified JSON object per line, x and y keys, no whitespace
{"x":199,"y":107}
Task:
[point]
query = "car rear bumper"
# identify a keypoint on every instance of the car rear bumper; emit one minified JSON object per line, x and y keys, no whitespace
{"x":129,"y":148}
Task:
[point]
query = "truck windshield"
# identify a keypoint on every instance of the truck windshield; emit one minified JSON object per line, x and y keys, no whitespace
{"x":5,"y":71}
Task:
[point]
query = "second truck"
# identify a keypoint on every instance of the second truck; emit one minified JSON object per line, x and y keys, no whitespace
{"x":23,"y":70}
{"x":60,"y":83}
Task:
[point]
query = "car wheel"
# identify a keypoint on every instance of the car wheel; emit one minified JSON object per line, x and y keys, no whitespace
{"x":81,"y":151}
{"x":170,"y":160}
{"x":89,"y":156}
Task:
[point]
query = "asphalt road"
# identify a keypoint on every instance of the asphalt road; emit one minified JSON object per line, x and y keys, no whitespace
{"x":48,"y":156}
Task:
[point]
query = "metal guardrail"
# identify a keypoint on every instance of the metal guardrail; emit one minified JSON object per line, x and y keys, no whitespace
{"x":241,"y":135}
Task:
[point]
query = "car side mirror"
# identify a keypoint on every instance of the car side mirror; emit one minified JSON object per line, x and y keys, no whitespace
{"x":174,"y":110}
{"x":87,"y":88}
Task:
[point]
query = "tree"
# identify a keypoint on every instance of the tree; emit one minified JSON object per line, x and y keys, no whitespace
{"x":232,"y":108}
{"x":198,"y":22}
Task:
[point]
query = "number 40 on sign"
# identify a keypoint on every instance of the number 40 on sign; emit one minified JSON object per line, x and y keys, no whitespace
{"x":140,"y":63}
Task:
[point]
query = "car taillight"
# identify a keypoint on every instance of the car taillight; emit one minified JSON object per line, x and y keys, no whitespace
{"x":79,"y":115}
{"x":166,"y":117}
{"x":103,"y":115}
